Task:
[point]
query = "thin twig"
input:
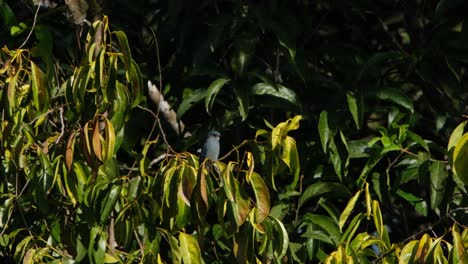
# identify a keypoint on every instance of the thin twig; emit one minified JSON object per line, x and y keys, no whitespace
{"x":112,"y":243}
{"x":161,"y":157}
{"x":160,"y":127}
{"x":159,"y":62}
{"x":142,"y":247}
{"x":62,"y":130}
{"x":298,"y":202}
{"x":7,"y":221}
{"x":33,"y":25}
{"x":234,"y":149}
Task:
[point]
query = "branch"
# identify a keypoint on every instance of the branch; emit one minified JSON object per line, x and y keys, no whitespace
{"x":160,"y":127}
{"x":33,"y":25}
{"x":166,"y":110}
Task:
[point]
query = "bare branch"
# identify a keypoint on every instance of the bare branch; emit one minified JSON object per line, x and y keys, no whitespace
{"x":166,"y":110}
{"x":62,"y":129}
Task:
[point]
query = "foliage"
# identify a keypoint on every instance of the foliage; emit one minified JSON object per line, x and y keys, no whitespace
{"x":342,"y":123}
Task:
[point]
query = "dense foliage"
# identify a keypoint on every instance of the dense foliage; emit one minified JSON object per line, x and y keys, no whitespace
{"x":343,"y":132}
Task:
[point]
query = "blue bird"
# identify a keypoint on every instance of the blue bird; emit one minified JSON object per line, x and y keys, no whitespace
{"x":210,"y":149}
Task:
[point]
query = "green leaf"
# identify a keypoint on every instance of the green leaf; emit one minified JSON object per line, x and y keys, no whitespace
{"x":97,"y":245}
{"x":81,"y":78}
{"x":228,"y":180}
{"x":189,"y":249}
{"x":242,"y":97}
{"x":45,"y":182}
{"x":320,"y":188}
{"x":136,"y":82}
{"x":358,"y":149}
{"x":282,"y":240}
{"x":331,"y":209}
{"x":125,"y":49}
{"x":324,"y":130}
{"x":243,"y":244}
{"x":193,"y":98}
{"x":70,"y":186}
{"x":371,"y":162}
{"x":22,"y":247}
{"x":276,"y":91}
{"x":17,"y":30}
{"x":7,"y":15}
{"x":445,"y":6}
{"x":318,"y":235}
{"x":39,"y":88}
{"x":133,"y":191}
{"x":325,"y":223}
{"x":280,"y":210}
{"x":109,"y":202}
{"x":419,"y":204}
{"x":438,"y":176}
{"x":377,"y":60}
{"x":110,"y":140}
{"x":212,"y":91}
{"x":11,"y":94}
{"x":395,"y":96}
{"x":418,"y":139}
{"x":44,"y":45}
{"x":356,"y":107}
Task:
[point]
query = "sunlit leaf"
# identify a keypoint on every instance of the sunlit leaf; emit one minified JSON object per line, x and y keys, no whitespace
{"x":240,"y":207}
{"x":290,"y":156}
{"x":348,"y":209}
{"x":352,"y":228}
{"x":97,"y":147}
{"x":459,"y":254}
{"x":456,"y":135}
{"x":262,"y":197}
{"x":407,"y":253}
{"x":110,"y":139}
{"x":460,"y":159}
{"x":189,"y":249}
{"x":379,"y":224}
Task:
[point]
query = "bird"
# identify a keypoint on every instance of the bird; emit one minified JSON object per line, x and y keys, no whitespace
{"x":210,"y":149}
